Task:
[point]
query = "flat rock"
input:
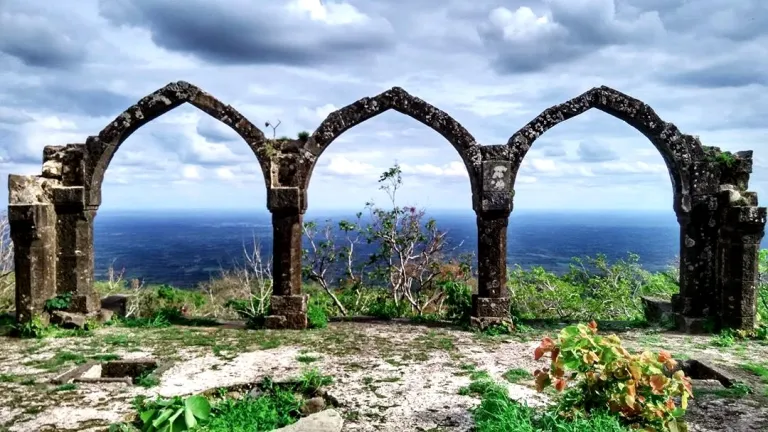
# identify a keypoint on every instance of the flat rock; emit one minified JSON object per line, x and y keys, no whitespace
{"x":325,"y":421}
{"x":117,"y":303}
{"x":657,"y":310}
{"x":68,"y":319}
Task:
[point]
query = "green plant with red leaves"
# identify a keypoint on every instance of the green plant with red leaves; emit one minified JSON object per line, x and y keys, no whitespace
{"x":600,"y":374}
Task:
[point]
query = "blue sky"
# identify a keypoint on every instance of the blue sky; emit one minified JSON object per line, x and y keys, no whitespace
{"x":68,"y":68}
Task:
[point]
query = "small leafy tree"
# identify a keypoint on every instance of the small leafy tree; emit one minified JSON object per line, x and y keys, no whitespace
{"x":409,"y":250}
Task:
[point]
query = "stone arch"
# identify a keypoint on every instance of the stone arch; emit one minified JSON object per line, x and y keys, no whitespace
{"x":679,"y":151}
{"x":100,"y":149}
{"x":396,"y":98}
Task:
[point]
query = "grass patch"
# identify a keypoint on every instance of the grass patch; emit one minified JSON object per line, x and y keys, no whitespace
{"x":276,"y":409}
{"x":497,"y":413}
{"x":516,"y":375}
{"x":59,"y":359}
{"x":147,"y":380}
{"x":270,"y":343}
{"x":737,"y":390}
{"x":105,"y":357}
{"x":306,"y":358}
{"x":65,"y":388}
{"x":8,"y":378}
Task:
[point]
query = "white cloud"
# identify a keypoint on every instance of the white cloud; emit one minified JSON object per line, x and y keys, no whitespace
{"x":191,"y":172}
{"x":66,"y":71}
{"x":347,"y":167}
{"x":331,"y":12}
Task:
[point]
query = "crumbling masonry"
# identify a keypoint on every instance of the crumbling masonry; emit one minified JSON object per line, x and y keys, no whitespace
{"x":721,"y":226}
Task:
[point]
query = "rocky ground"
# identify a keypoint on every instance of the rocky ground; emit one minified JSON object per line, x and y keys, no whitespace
{"x":387,"y":376}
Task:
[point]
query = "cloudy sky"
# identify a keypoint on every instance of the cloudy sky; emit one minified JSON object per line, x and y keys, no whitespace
{"x":67,"y":68}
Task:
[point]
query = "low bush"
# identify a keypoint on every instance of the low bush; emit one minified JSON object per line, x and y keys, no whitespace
{"x":277,"y":406}
{"x":316,"y":316}
{"x":597,"y":374}
{"x":592,"y":288}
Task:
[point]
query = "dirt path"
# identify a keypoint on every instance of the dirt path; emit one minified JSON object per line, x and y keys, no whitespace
{"x":387,"y":376}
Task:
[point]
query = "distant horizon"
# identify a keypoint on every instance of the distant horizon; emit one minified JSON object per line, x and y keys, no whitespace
{"x":354,"y":210}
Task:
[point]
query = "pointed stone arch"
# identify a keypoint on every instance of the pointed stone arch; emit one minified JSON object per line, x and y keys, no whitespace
{"x":100,"y":149}
{"x":396,"y":98}
{"x":679,"y":151}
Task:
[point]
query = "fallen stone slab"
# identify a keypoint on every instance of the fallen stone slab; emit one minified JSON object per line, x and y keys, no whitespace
{"x":117,"y":303}
{"x":325,"y":421}
{"x":68,"y":319}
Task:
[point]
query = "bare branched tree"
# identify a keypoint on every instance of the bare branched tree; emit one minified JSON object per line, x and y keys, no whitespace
{"x":411,"y":250}
{"x":321,"y":257}
{"x":249,"y":282}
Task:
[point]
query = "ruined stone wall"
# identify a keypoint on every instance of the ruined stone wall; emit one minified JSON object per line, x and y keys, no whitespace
{"x":52,"y":214}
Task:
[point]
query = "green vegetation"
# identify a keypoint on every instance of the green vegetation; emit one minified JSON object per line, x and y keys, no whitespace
{"x":598,"y":385}
{"x":276,"y":405}
{"x":517,"y":375}
{"x":640,"y":388}
{"x":498,"y":413}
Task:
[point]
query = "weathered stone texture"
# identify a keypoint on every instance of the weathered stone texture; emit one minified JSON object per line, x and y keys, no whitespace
{"x":33,"y":231}
{"x":492,"y":254}
{"x":52,"y":214}
{"x":286,"y":252}
{"x":490,"y":306}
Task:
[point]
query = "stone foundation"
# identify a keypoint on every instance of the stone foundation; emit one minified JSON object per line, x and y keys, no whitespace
{"x":287,"y":312}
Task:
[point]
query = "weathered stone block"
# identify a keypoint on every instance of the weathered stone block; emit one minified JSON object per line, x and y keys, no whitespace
{"x":497,"y":176}
{"x":34,"y":241}
{"x":739,"y":298}
{"x":289,"y":304}
{"x":284,"y":198}
{"x":691,"y":325}
{"x":490,"y":306}
{"x":69,"y":195}
{"x":115,"y":303}
{"x":483,"y":323}
{"x":496,"y":201}
{"x":745,"y":322}
{"x":492,"y":254}
{"x":85,"y":304}
{"x":275,"y":322}
{"x":68,"y":319}
{"x":657,"y":310}
{"x":105,"y":316}
{"x":286,"y":322}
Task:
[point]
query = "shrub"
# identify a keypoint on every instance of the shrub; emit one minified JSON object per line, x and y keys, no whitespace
{"x":59,"y":302}
{"x":316,"y":316}
{"x":641,"y":388}
{"x":762,"y":287}
{"x":591,"y":289}
{"x":498,"y":413}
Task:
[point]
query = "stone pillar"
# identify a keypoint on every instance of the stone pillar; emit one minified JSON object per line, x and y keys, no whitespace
{"x":74,"y":229}
{"x":288,"y":308}
{"x":698,"y":265}
{"x":33,"y":231}
{"x":491,"y":303}
{"x":742,"y":230}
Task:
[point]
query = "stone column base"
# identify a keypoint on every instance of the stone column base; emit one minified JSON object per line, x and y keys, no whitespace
{"x":490,"y":311}
{"x":85,"y":304}
{"x":691,"y":325}
{"x":287,"y":312}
